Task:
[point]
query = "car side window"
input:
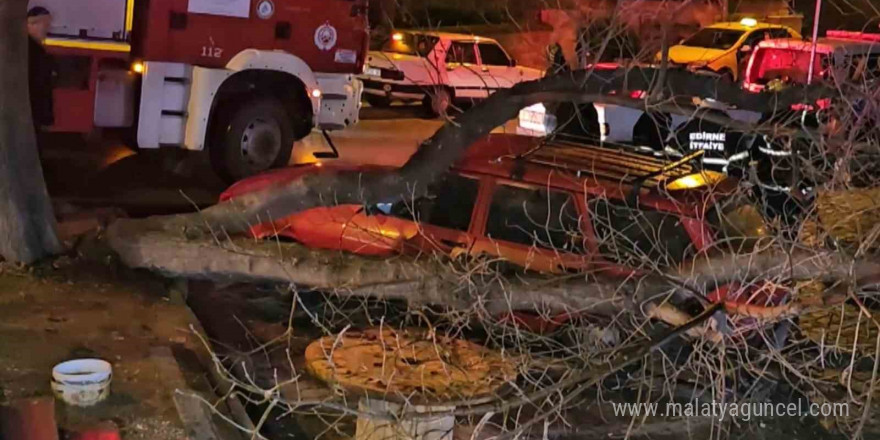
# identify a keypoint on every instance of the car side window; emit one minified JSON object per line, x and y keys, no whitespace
{"x":492,"y":55}
{"x":449,"y":203}
{"x":756,"y":37}
{"x":780,"y":33}
{"x":535,"y":217}
{"x":638,"y":237}
{"x":461,"y":53}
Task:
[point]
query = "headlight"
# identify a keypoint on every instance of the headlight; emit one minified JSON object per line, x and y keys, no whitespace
{"x":691,"y":181}
{"x":742,"y":222}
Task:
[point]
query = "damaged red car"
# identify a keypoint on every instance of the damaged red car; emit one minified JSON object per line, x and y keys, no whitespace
{"x":546,"y":206}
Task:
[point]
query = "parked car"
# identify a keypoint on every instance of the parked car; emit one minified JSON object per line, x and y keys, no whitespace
{"x":724,"y":48}
{"x":556,"y":208}
{"x":438,"y":68}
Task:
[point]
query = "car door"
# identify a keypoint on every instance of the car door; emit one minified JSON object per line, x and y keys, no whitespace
{"x":496,"y":68}
{"x":463,"y":70}
{"x":537,"y":228}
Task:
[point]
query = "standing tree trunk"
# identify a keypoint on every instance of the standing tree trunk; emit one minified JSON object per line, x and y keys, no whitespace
{"x":27,"y":224}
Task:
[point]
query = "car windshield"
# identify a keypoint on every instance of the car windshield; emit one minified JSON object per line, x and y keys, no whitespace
{"x":713,"y":38}
{"x":406,"y":43}
{"x":788,"y":65}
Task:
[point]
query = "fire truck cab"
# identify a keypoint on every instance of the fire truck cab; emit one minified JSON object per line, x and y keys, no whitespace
{"x":243,"y":79}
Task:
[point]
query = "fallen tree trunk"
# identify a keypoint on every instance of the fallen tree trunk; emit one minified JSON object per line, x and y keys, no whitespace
{"x":435,"y":280}
{"x":245,"y":259}
{"x":778,"y":263}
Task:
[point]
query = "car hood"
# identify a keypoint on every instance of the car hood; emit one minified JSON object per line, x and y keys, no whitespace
{"x":389,"y":60}
{"x":530,"y":73}
{"x":688,"y":54}
{"x":284,"y":176}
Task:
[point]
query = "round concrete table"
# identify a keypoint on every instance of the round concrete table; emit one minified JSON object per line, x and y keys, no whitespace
{"x":405,"y":371}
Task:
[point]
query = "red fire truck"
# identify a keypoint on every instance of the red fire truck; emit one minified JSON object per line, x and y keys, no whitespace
{"x":243,"y":79}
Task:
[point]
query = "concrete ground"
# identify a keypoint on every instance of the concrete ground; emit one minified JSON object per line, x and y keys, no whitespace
{"x":76,"y":307}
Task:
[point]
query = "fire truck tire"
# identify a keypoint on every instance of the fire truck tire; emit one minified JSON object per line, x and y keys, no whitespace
{"x":251,"y":138}
{"x":438,"y":101}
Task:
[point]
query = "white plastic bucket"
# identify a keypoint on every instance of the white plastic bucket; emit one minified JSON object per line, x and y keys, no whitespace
{"x":82,"y":382}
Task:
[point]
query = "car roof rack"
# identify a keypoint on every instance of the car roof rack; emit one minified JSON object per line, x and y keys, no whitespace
{"x":615,"y":164}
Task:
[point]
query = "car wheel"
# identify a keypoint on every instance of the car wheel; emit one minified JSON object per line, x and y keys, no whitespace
{"x":251,"y":138}
{"x":378,"y":101}
{"x":438,"y":102}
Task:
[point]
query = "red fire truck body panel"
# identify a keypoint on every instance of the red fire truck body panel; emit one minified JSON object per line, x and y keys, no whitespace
{"x":331,"y":34}
{"x":75,"y":101}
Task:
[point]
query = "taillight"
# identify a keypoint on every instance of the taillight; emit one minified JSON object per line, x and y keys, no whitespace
{"x":821,"y":104}
{"x":637,"y":94}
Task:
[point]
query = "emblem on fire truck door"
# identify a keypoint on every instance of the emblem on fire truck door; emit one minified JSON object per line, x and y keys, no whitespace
{"x":325,"y":36}
{"x":266,"y":9}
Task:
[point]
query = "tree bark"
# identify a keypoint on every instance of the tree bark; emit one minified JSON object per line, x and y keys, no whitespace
{"x":27,"y":223}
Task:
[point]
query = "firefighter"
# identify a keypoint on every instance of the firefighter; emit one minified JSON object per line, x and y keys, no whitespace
{"x":724,"y":150}
{"x":556,"y":60}
{"x":767,"y":166}
{"x":41,"y":68}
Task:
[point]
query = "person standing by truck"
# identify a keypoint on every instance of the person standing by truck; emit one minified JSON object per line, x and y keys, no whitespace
{"x":41,"y":68}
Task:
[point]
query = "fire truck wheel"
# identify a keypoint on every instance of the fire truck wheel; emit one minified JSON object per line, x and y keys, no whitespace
{"x":438,"y":102}
{"x":252,"y":138}
{"x":378,"y":101}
